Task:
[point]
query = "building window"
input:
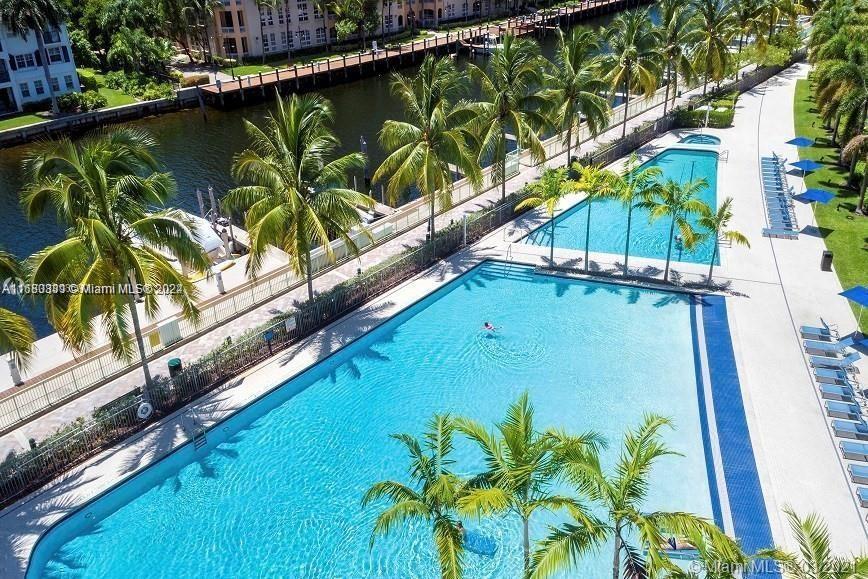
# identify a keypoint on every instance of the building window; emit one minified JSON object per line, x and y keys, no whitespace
{"x":244,"y":49}
{"x":51,"y":36}
{"x":226,"y":20}
{"x":304,"y":37}
{"x":316,"y":13}
{"x":389,"y":20}
{"x":267,"y":17}
{"x":54,"y":54}
{"x":320,"y":35}
{"x":280,"y":14}
{"x":25,"y":89}
{"x":241,"y":20}
{"x":55,"y":84}
{"x":450,"y":11}
{"x":67,"y":80}
{"x":40,"y":89}
{"x":266,"y":47}
{"x":24,"y":61}
{"x":302,"y":12}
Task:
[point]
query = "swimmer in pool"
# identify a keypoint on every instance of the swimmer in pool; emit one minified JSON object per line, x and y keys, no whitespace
{"x":488,"y":326}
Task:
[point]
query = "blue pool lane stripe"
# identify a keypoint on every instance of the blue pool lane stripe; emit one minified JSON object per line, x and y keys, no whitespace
{"x":746,"y":503}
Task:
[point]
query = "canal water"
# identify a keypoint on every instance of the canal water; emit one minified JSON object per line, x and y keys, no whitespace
{"x":199,"y":153}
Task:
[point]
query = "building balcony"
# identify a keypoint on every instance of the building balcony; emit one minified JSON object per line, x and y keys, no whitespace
{"x":227,"y":29}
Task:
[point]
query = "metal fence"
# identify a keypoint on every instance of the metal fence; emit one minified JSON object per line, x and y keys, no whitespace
{"x":26,"y":472}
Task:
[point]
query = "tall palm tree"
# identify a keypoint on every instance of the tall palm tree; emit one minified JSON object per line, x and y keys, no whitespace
{"x":680,"y":33}
{"x":714,"y":559}
{"x":678,"y":202}
{"x":596,"y":183}
{"x":22,"y":17}
{"x":815,"y":559}
{"x":323,"y":6}
{"x":842,"y":86}
{"x":431,"y":138}
{"x":102,"y":188}
{"x":576,"y":86}
{"x":511,"y":103}
{"x":716,"y":226}
{"x":634,"y":56}
{"x":430,"y":497}
{"x":548,"y":192}
{"x":854,"y":151}
{"x":620,"y":496}
{"x":297,"y":197}
{"x":636,"y":184}
{"x":519,"y":469}
{"x":260,"y":4}
{"x":16,"y":332}
{"x":711,"y":54}
{"x":746,"y":21}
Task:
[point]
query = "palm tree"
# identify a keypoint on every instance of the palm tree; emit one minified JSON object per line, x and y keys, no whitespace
{"x":715,"y":559}
{"x":678,"y":202}
{"x":635,"y":185}
{"x":16,"y":333}
{"x":22,"y":17}
{"x":548,"y":192}
{"x":680,"y":33}
{"x":842,"y":86}
{"x":102,"y":189}
{"x":746,"y":20}
{"x":716,"y":224}
{"x":576,"y":86}
{"x":431,"y":138}
{"x":635,"y":57}
{"x":519,"y":469}
{"x":431,"y":496}
{"x":511,"y":103}
{"x":815,"y":559}
{"x":297,"y":197}
{"x":620,"y":496}
{"x":715,"y":27}
{"x":272,"y":4}
{"x":596,"y":183}
{"x":323,"y":6}
{"x":854,"y":150}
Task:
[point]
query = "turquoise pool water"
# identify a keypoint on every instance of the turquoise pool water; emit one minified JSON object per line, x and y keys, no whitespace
{"x":701,"y":139}
{"x":609,"y":218}
{"x":276,"y":492}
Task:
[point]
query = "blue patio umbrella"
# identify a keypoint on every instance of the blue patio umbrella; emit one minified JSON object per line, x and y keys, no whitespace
{"x":806,"y":165}
{"x":816,"y":195}
{"x":859,"y":295}
{"x":801,"y":142}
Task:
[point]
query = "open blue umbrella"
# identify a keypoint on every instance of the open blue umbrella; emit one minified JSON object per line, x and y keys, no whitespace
{"x":858,"y":295}
{"x":816,"y":195}
{"x":801,"y":142}
{"x":806,"y":165}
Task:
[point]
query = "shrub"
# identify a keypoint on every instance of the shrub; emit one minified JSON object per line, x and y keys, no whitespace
{"x":156,"y":91}
{"x":88,"y":80}
{"x":696,"y":118}
{"x":81,"y":101}
{"x":138,"y":85}
{"x":37,"y":106}
{"x":195,"y":80}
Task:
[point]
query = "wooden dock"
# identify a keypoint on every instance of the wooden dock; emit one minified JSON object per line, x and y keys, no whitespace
{"x":369,"y":63}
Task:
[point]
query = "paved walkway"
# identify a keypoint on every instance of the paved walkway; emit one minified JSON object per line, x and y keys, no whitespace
{"x":772,"y":287}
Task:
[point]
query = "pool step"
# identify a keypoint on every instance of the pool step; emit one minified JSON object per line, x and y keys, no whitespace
{"x":199,"y":439}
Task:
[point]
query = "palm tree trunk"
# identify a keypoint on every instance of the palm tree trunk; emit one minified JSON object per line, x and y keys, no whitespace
{"x":570,"y":143}
{"x":711,"y":265}
{"x":526,"y":544}
{"x":261,"y":32}
{"x":738,"y":56}
{"x":140,"y":343}
{"x":309,"y":276}
{"x":588,"y":237}
{"x":835,"y":132}
{"x":43,"y":55}
{"x":675,"y":87}
{"x":626,"y":105}
{"x":325,"y":13}
{"x":627,"y":244}
{"x":861,"y":207}
{"x":668,"y":82}
{"x":503,"y":167}
{"x":616,"y":560}
{"x":288,"y":35}
{"x":431,"y":219}
{"x":552,"y":242}
{"x":669,"y":250}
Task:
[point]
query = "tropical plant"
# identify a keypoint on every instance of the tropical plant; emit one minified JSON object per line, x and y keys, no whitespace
{"x":359,"y":17}
{"x":746,"y":22}
{"x":103,"y":188}
{"x":773,"y":11}
{"x":16,"y":332}
{"x":855,"y":150}
{"x":680,"y":33}
{"x":575,"y":86}
{"x":716,"y":226}
{"x":511,"y":102}
{"x":621,"y":496}
{"x":634,"y":57}
{"x":519,"y":469}
{"x":714,"y":559}
{"x":430,"y":139}
{"x":25,"y":17}
{"x":297,"y":197}
{"x":431,"y":496}
{"x":815,"y":559}
{"x":677,"y":201}
{"x":595,"y":183}
{"x":716,"y":27}
{"x":548,"y":191}
{"x":635,"y":185}
{"x":133,"y":50}
{"x":842,"y":86}
{"x":272,"y":5}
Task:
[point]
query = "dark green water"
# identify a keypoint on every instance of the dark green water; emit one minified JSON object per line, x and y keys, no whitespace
{"x":200,"y":153}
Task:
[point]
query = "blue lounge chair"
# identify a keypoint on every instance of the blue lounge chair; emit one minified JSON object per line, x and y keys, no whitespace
{"x":854,"y":450}
{"x":832,"y":347}
{"x":815,"y":333}
{"x":829,"y":376}
{"x":847,"y":429}
{"x":842,"y":363}
{"x":843,"y":410}
{"x":862,"y":493}
{"x":837,"y":393}
{"x":858,"y":473}
{"x":780,"y":233}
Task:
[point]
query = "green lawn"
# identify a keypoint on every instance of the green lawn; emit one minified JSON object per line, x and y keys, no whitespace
{"x":845,"y":233}
{"x":114,"y":97}
{"x":19,"y":121}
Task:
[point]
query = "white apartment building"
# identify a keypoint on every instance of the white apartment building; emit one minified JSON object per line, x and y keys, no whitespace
{"x":22,"y":79}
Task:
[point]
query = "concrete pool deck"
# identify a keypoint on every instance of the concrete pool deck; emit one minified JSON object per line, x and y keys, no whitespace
{"x":772,"y":288}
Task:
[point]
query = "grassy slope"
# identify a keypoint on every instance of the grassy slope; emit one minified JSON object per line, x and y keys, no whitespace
{"x":19,"y":121}
{"x":114,"y":97}
{"x":845,"y":233}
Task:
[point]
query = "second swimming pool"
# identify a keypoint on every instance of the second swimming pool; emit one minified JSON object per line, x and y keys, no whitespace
{"x":647,"y":239}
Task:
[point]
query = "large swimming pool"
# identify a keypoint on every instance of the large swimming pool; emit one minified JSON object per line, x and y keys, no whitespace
{"x":277,"y":490}
{"x":609,"y":218}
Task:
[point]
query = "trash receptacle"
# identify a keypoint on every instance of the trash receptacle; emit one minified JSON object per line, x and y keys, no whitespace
{"x":826,"y":261}
{"x":174,"y":367}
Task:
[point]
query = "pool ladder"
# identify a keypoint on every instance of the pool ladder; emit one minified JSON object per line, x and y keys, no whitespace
{"x":196,"y":429}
